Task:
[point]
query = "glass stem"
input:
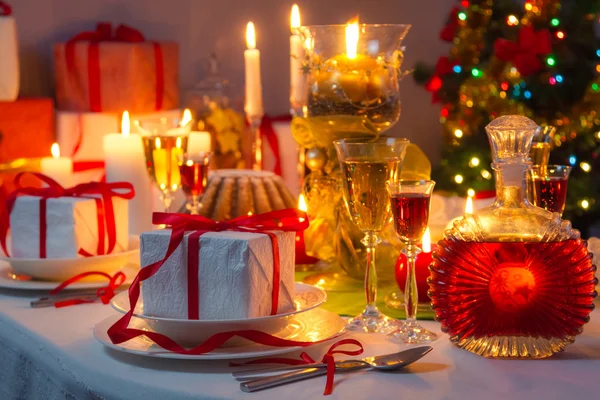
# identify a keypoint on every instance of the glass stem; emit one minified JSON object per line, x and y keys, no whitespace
{"x":195,"y":209}
{"x":411,"y":298}
{"x":167,"y":199}
{"x":371,"y":241}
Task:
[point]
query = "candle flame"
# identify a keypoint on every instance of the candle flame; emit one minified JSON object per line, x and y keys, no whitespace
{"x":249,"y":213}
{"x":125,"y":124}
{"x":352,"y":38}
{"x":469,"y":206}
{"x":186,"y":118}
{"x":426,"y":241}
{"x":157,"y":143}
{"x":178,"y":143}
{"x":295,"y":19}
{"x":250,"y":36}
{"x":55,"y":150}
{"x":302,"y":205}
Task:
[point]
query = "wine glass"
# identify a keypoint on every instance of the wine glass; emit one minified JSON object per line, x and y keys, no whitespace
{"x":410,"y":209}
{"x":548,"y":186}
{"x":164,"y":142}
{"x":193,"y":169}
{"x":366,"y":167}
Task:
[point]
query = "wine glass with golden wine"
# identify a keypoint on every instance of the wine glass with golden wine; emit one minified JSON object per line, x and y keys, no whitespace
{"x":165,"y":141}
{"x":367,"y":165}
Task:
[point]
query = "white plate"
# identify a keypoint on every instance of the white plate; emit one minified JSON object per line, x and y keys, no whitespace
{"x":61,"y":269}
{"x":314,"y":325}
{"x":306,"y":298}
{"x":10,"y":280}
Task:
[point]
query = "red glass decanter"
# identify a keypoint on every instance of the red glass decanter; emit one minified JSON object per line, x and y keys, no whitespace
{"x":512,"y":280}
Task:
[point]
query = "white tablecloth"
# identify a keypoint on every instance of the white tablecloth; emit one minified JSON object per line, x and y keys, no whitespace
{"x":51,"y":354}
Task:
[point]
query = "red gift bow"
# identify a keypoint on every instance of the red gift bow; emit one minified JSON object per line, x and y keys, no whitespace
{"x":524,"y":54}
{"x":105,"y":294}
{"x":443,"y":67}
{"x":104,"y":33}
{"x":305,"y":359}
{"x":104,"y":207}
{"x":449,"y":31}
{"x":5,"y":9}
{"x":289,"y":220}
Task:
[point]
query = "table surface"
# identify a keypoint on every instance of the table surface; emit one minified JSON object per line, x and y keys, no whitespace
{"x":51,"y":353}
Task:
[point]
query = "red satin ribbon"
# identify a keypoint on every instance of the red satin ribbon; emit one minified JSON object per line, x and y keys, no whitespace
{"x":5,"y":9}
{"x":525,"y":53}
{"x":104,"y":207}
{"x":289,"y":220}
{"x":268,"y":133}
{"x":104,"y":293}
{"x":305,"y":359}
{"x":104,"y":33}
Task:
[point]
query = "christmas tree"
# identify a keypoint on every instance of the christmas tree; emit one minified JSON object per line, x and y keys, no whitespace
{"x":540,"y":59}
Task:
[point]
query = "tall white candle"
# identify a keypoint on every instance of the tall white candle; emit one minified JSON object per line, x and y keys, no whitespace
{"x":297,"y":78}
{"x":254,"y":104}
{"x":58,"y":168}
{"x":198,"y":143}
{"x":125,"y":162}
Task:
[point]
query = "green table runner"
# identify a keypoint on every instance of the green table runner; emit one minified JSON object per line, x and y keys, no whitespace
{"x":352,"y":303}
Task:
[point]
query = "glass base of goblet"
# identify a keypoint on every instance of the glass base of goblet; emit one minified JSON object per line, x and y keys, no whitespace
{"x":373,"y":321}
{"x":412,"y":332}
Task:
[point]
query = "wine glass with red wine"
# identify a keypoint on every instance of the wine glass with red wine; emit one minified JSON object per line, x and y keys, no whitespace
{"x":548,"y":186}
{"x":193,"y":168}
{"x":410,"y":210}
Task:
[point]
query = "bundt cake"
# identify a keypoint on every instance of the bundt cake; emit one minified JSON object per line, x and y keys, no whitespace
{"x":231,"y":193}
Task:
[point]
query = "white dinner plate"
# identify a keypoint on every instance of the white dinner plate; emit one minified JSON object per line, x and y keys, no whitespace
{"x":306,"y":298}
{"x":10,"y":280}
{"x":61,"y":269}
{"x":314,"y":325}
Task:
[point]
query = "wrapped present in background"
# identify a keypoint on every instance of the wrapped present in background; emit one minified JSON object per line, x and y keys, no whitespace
{"x":57,"y":222}
{"x":281,"y":152}
{"x":112,"y":72}
{"x":26,"y":134}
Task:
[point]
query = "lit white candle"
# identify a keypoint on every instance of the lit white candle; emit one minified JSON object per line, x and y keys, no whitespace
{"x":56,"y":167}
{"x":198,"y":144}
{"x":254,"y":104}
{"x":468,"y":210}
{"x":125,"y":162}
{"x":297,"y":79}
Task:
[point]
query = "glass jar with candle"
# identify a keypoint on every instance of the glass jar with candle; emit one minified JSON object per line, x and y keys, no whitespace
{"x":512,"y":280}
{"x":352,"y":75}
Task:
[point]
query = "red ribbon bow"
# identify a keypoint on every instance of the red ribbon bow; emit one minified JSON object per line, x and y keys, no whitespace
{"x":525,"y":53}
{"x":104,"y":33}
{"x":443,"y":67}
{"x":105,"y":294}
{"x":104,"y":207}
{"x":305,"y":359}
{"x":289,"y":220}
{"x":5,"y":9}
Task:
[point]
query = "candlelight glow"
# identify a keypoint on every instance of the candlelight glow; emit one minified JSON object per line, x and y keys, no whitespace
{"x":249,"y":213}
{"x":178,"y":143}
{"x":302,"y":205}
{"x":352,"y":38}
{"x":157,"y":143}
{"x":187,"y":117}
{"x":295,"y":19}
{"x":469,"y":206}
{"x":125,"y":124}
{"x":250,"y":36}
{"x":426,"y":241}
{"x":55,"y":150}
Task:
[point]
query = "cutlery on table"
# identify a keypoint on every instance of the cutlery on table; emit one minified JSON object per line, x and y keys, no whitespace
{"x":386,"y":362}
{"x":84,"y":294}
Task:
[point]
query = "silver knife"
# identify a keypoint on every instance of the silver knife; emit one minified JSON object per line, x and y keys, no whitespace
{"x":387,"y":362}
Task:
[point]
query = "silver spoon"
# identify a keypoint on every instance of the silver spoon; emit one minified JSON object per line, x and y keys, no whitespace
{"x":388,"y":362}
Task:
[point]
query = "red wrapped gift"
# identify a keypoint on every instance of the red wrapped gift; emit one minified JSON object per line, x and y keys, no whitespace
{"x":110,"y":71}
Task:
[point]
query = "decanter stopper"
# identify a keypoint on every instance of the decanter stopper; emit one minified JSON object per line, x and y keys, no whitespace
{"x":510,"y":138}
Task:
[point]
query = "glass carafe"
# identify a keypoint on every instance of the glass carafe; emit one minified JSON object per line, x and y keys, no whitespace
{"x":512,"y":280}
